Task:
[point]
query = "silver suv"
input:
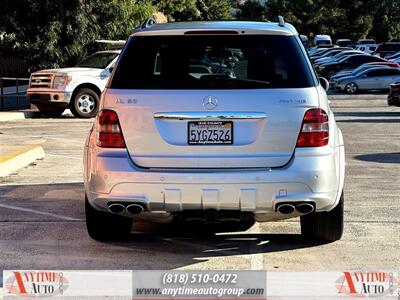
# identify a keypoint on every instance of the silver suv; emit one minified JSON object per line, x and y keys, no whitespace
{"x":218,"y":123}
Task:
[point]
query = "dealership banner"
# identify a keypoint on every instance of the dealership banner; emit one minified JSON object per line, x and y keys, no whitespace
{"x":332,"y":285}
{"x":67,"y":284}
{"x":199,"y":284}
{"x":204,"y":284}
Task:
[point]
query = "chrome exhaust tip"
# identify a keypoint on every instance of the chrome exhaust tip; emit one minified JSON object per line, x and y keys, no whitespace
{"x":116,"y":208}
{"x":286,"y":208}
{"x":134,"y":209}
{"x":305,"y":208}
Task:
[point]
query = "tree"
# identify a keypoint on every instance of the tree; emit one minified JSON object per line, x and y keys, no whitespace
{"x":386,"y":24}
{"x":251,"y":10}
{"x":215,"y":9}
{"x":116,"y":19}
{"x":179,"y":10}
{"x":55,"y":33}
{"x":190,"y":10}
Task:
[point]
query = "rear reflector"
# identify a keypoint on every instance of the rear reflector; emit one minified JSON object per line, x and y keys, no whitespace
{"x":315,"y":129}
{"x":109,"y":134}
{"x":394,"y":89}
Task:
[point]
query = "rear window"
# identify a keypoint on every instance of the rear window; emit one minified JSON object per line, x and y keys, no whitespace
{"x":212,"y":62}
{"x":98,"y":60}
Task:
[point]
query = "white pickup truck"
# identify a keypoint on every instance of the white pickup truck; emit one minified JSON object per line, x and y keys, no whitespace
{"x":78,"y":88}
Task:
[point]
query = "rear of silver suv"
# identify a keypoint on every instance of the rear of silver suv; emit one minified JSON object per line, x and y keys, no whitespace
{"x":214,"y":122}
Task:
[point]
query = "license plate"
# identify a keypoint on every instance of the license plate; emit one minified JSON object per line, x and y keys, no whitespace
{"x":210,"y":133}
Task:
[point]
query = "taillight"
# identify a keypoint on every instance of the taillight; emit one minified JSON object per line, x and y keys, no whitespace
{"x":394,"y":89}
{"x":315,"y":129}
{"x":109,"y":132}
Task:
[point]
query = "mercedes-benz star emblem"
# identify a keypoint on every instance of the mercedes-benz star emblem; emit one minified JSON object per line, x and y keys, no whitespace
{"x":210,"y":102}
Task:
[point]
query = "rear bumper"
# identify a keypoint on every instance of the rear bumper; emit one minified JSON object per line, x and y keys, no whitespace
{"x":48,"y":96}
{"x":312,"y":176}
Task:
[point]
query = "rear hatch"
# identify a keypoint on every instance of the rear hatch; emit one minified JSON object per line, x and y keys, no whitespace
{"x":244,"y":109}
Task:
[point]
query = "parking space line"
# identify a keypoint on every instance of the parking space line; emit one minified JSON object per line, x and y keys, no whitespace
{"x":256,"y":259}
{"x":38,"y":212}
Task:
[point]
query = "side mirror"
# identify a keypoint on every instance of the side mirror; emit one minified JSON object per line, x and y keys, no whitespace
{"x":110,"y":69}
{"x":324,"y":83}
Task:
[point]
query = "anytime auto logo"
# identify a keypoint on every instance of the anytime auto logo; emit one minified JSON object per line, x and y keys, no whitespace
{"x":36,"y":284}
{"x":367,"y":284}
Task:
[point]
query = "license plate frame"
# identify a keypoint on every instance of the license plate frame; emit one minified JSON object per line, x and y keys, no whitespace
{"x":225,"y":126}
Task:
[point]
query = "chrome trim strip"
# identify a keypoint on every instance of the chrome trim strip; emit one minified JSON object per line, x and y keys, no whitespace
{"x":210,"y":115}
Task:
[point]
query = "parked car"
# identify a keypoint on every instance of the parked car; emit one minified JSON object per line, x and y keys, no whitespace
{"x":368,"y":49}
{"x":394,"y":94}
{"x":336,"y":78}
{"x":329,"y":53}
{"x":315,"y":49}
{"x":366,"y":42}
{"x":344,"y":43}
{"x":387,"y":49}
{"x":77,"y":88}
{"x":321,"y":51}
{"x":371,"y":79}
{"x":393,"y":56}
{"x":347,"y":63}
{"x":336,"y":57}
{"x":366,"y":45}
{"x":218,"y":150}
{"x":364,"y":67}
{"x":322,"y":39}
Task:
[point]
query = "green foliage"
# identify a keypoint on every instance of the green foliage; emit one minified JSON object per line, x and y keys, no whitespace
{"x":252,"y":10}
{"x":55,"y":33}
{"x":115,"y":19}
{"x":341,"y":18}
{"x":215,"y":9}
{"x":179,"y":10}
{"x":190,"y":10}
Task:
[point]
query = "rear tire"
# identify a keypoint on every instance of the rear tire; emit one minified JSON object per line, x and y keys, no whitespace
{"x":104,"y":226}
{"x":351,"y":88}
{"x":324,"y":226}
{"x":85,"y":103}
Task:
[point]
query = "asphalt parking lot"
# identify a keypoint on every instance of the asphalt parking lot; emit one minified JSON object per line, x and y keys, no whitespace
{"x":42,"y":210}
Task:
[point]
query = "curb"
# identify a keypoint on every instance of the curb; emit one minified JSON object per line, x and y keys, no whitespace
{"x":13,"y":161}
{"x":20,"y":115}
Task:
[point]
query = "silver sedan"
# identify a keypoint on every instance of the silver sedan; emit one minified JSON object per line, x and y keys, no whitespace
{"x":373,"y":79}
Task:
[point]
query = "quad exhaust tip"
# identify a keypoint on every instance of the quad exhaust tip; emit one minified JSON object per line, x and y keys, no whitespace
{"x":119,"y":208}
{"x":305,"y":208}
{"x":116,"y":208}
{"x":134,"y":209}
{"x":302,"y":207}
{"x":286,"y":208}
